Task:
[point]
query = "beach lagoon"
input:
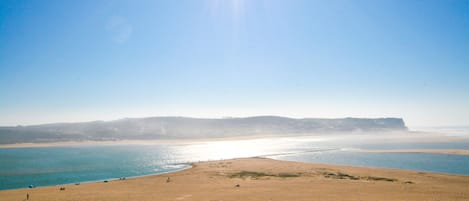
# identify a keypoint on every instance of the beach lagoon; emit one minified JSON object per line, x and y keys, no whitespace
{"x":46,"y":166}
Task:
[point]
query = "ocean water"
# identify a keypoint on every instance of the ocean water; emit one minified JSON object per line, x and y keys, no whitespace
{"x":45,"y":166}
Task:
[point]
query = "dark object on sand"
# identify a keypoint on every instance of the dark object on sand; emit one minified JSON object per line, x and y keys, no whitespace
{"x":237,"y":185}
{"x":27,"y":196}
{"x":77,"y":184}
{"x":168,"y":180}
{"x":105,"y":181}
{"x":62,"y":188}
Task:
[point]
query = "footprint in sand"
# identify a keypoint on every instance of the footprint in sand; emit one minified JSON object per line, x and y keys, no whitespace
{"x":183,"y":197}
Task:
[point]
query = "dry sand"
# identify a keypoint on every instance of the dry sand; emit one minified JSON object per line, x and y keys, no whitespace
{"x":132,"y":142}
{"x":411,"y":136}
{"x":264,"y":179}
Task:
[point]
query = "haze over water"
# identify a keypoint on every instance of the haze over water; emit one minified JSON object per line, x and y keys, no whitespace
{"x":20,"y":167}
{"x":115,"y":66}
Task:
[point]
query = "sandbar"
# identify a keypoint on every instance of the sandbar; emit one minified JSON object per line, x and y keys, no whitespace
{"x":263,"y":179}
{"x":432,"y":151}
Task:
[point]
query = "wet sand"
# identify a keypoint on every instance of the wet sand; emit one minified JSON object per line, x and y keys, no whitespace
{"x":264,"y":179}
{"x":410,"y":136}
{"x":128,"y":142}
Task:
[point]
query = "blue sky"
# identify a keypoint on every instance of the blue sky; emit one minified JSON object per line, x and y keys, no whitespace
{"x":63,"y":61}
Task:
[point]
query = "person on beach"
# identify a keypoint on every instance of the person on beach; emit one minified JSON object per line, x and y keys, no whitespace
{"x":27,"y":196}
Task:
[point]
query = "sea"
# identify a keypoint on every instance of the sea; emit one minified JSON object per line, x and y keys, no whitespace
{"x":49,"y":166}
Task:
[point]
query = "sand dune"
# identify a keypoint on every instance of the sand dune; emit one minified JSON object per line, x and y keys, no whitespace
{"x":264,"y":179}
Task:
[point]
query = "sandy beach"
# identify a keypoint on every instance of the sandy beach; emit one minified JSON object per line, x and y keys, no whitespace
{"x":131,"y":142}
{"x":116,"y":142}
{"x":263,"y":179}
{"x":411,"y":136}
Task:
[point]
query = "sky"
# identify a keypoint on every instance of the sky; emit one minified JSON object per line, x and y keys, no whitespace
{"x":67,"y":61}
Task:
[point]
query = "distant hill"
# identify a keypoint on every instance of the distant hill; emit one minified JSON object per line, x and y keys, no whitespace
{"x":191,"y":128}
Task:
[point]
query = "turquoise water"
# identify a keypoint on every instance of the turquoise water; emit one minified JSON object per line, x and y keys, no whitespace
{"x":21,"y":167}
{"x":441,"y":163}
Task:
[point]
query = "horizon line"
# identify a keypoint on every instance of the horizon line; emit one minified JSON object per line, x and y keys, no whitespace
{"x":193,"y":117}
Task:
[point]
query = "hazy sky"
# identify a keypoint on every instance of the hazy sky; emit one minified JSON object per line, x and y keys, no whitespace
{"x":87,"y":60}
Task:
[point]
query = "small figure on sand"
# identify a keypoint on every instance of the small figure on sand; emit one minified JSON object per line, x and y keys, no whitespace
{"x":27,"y":196}
{"x":168,"y":180}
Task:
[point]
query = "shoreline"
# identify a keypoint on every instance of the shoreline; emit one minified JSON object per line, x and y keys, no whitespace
{"x":263,"y":179}
{"x":429,"y":151}
{"x":414,"y":136}
{"x":131,"y":142}
{"x":189,"y":165}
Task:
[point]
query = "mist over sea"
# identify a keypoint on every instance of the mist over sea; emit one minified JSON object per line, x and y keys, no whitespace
{"x":43,"y":166}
